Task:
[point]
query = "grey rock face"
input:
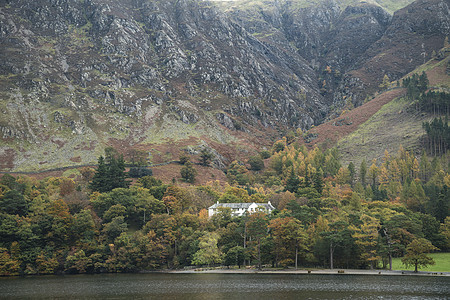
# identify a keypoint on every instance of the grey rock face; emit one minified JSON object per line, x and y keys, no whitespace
{"x":104,"y":65}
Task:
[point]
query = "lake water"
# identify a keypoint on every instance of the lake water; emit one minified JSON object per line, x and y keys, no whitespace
{"x":225,"y":286}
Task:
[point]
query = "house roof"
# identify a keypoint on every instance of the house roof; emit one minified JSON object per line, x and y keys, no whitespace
{"x":267,"y":206}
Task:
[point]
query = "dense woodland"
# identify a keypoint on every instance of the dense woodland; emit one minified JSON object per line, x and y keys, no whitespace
{"x":431,"y":101}
{"x":327,"y":215}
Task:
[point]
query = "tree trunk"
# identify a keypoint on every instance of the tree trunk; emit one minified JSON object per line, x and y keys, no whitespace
{"x":331,"y":255}
{"x":296,"y":257}
{"x":390,"y":261}
{"x":259,"y":254}
{"x":245,"y":241}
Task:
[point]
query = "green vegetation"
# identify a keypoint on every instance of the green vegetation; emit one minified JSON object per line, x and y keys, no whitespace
{"x":442,"y":263}
{"x":416,"y":254}
{"x":436,"y":102}
{"x":325,"y":216}
{"x":419,"y":120}
{"x":188,"y":172}
{"x":110,"y":173}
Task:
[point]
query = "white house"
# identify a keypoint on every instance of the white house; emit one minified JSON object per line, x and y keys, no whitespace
{"x":239,"y":209}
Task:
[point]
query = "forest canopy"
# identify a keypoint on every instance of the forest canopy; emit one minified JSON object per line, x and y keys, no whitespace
{"x":327,"y":215}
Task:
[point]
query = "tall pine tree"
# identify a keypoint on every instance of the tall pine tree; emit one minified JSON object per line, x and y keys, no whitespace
{"x":110,"y":173}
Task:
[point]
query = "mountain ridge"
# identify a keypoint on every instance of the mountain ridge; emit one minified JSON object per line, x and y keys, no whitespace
{"x":80,"y":76}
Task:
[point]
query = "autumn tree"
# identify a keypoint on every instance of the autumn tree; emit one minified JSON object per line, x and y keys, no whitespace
{"x":385,"y":83}
{"x":289,"y":238}
{"x":8,"y":266}
{"x":257,"y":230}
{"x":366,"y":237}
{"x":416,"y":254}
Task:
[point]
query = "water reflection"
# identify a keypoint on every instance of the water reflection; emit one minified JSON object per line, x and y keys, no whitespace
{"x":224,"y":286}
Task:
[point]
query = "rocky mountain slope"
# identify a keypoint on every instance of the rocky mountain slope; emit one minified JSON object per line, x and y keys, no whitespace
{"x":386,"y":122}
{"x":78,"y":75}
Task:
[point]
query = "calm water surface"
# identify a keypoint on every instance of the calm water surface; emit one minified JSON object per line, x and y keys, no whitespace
{"x":224,"y":286}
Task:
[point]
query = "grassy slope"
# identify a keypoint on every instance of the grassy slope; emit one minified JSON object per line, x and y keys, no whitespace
{"x":442,"y":263}
{"x":395,"y":124}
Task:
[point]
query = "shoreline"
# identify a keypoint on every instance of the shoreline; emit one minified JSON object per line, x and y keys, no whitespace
{"x":307,"y":272}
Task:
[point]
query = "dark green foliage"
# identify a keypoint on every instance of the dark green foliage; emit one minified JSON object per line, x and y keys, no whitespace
{"x":332,"y":164}
{"x":256,"y":163}
{"x":363,"y":172}
{"x":13,"y":203}
{"x":352,"y":170}
{"x":307,"y":192}
{"x":138,"y":172}
{"x":435,"y":102}
{"x":205,"y":157}
{"x":439,"y":201}
{"x":438,"y":135}
{"x":278,"y":146}
{"x":114,"y":228}
{"x":235,"y":256}
{"x":184,"y":158}
{"x":188,"y":172}
{"x":134,"y":201}
{"x":265,"y":154}
{"x":318,"y":181}
{"x":110,"y":173}
{"x":292,"y":183}
{"x":303,"y":213}
{"x":9,"y":181}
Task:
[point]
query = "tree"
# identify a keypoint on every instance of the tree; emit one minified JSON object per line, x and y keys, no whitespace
{"x":235,"y":256}
{"x":188,"y":172}
{"x":416,"y":254}
{"x":445,"y":230}
{"x":205,"y":157}
{"x":256,"y":163}
{"x":292,"y":183}
{"x":208,"y":253}
{"x":114,"y":228}
{"x":366,"y":237}
{"x":110,"y":173}
{"x":318,"y":181}
{"x":257,"y":230}
{"x":363,"y":172}
{"x":373,"y":172}
{"x":138,"y":172}
{"x":78,"y":262}
{"x":46,"y":265}
{"x":385,"y":83}
{"x":352,"y":171}
{"x":13,"y":202}
{"x":289,"y":238}
{"x":335,"y":235}
{"x":138,"y":158}
{"x":8,"y":266}
{"x":184,"y":158}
